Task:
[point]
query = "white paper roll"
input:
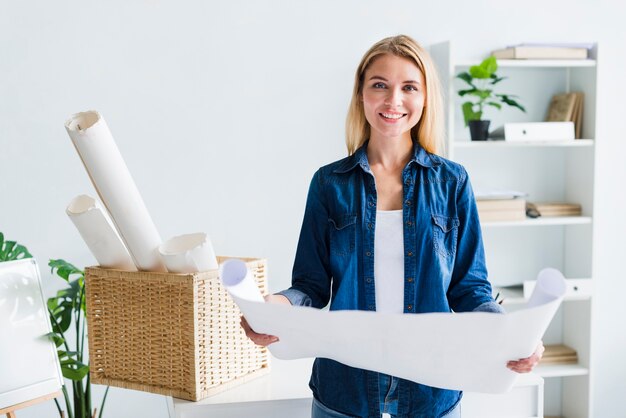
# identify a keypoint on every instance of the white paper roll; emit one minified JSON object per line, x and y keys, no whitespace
{"x":116,"y":188}
{"x":551,"y":285}
{"x":188,"y":253}
{"x":98,"y":233}
{"x":238,"y":280}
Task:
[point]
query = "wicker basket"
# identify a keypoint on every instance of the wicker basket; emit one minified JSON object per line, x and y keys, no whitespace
{"x":171,"y":334}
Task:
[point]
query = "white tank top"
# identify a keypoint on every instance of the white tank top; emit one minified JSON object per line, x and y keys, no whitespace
{"x":389,"y":261}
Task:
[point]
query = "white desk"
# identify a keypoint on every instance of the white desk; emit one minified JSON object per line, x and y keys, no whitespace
{"x":285,"y":393}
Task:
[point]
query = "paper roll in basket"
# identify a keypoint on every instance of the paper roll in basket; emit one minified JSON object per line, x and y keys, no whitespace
{"x":99,"y":234}
{"x":116,"y":188}
{"x":188,"y":253}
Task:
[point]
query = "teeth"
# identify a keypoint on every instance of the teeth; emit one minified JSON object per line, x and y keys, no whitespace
{"x":392,"y":115}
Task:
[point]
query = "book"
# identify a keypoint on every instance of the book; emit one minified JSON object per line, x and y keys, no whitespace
{"x":559,"y":354}
{"x":567,"y":107}
{"x":501,"y":209}
{"x":549,"y":209}
{"x":500,"y":204}
{"x":541,"y":52}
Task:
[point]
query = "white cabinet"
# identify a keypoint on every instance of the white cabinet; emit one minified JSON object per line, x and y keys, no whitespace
{"x":548,"y":171}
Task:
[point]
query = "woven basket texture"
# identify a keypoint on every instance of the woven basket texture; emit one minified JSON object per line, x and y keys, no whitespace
{"x":171,"y":334}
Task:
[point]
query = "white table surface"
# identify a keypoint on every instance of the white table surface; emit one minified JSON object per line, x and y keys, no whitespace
{"x":284,"y":392}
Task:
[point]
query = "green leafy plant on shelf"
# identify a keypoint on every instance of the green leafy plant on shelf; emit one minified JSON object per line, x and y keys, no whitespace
{"x":67,"y":308}
{"x":481,"y":78}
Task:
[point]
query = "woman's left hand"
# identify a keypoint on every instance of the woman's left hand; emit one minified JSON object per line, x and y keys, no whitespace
{"x":527,"y":364}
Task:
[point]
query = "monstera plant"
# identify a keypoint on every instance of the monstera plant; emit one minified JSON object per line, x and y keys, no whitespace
{"x":66,"y":310}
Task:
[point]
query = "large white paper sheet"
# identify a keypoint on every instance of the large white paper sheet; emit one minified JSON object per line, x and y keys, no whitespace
{"x":116,"y":188}
{"x":461,"y":351}
{"x":99,"y":234}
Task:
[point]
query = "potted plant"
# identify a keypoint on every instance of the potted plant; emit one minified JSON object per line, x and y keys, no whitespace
{"x":481,"y":78}
{"x":67,"y":308}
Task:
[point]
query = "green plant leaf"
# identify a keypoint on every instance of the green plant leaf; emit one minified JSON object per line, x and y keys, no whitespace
{"x":485,"y":69}
{"x":507,"y":99}
{"x":481,"y":94}
{"x":468,"y":112}
{"x":64,"y":269}
{"x":467,"y":78}
{"x":11,"y":250}
{"x":494,"y":104}
{"x":468,"y":91}
{"x":56,"y":338}
{"x":75,"y":374}
{"x":495,"y":79}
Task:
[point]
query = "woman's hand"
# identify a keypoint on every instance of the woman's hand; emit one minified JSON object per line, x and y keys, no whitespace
{"x":263,"y":339}
{"x":527,"y":364}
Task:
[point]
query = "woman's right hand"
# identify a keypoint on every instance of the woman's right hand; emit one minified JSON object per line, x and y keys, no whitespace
{"x":263,"y":339}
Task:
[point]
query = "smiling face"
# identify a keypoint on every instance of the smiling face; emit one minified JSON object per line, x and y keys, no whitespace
{"x":393,"y":97}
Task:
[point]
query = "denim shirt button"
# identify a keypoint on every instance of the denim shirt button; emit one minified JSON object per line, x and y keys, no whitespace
{"x":368,"y":280}
{"x":408,"y":203}
{"x":409,"y":279}
{"x":369,"y":225}
{"x":410,"y":254}
{"x":371,"y":307}
{"x":409,"y":307}
{"x":368,"y":254}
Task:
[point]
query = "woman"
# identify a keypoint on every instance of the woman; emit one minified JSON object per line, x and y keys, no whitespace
{"x":391,"y":228}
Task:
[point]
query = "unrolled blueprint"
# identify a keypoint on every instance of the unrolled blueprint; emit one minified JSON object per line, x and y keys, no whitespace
{"x":462,"y":351}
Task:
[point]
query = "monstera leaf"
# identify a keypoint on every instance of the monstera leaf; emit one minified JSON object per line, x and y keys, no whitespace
{"x":11,"y":250}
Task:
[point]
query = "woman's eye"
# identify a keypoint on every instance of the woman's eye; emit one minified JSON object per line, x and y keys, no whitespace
{"x":379,"y":85}
{"x":410,"y":87}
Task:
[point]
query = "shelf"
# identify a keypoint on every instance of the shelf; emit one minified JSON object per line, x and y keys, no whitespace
{"x":527,"y":144}
{"x":541,"y":221}
{"x":535,"y":63}
{"x":561,"y":370}
{"x":514,"y":295}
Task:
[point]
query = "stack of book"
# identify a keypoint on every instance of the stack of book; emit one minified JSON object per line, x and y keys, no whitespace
{"x":567,"y":107}
{"x":559,"y":354}
{"x":501,"y":209}
{"x":543,"y":51}
{"x":554,"y":209}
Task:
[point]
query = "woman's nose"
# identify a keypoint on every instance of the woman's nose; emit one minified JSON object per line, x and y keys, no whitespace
{"x":394,"y":98}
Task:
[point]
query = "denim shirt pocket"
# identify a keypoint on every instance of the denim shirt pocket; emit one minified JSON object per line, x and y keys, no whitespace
{"x":445,"y":234}
{"x":342,"y":234}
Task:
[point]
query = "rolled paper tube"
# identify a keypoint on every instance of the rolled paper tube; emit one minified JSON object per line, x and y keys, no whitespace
{"x":188,"y":253}
{"x":116,"y":188}
{"x":239,"y":281}
{"x":98,"y":233}
{"x":551,"y":285}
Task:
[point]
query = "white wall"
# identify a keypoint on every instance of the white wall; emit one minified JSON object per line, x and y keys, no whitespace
{"x":223,"y":111}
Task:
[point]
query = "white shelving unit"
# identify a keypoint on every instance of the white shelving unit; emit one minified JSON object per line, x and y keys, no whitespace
{"x":548,"y":171}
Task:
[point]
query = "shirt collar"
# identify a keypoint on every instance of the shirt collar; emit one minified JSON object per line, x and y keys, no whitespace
{"x":359,"y":158}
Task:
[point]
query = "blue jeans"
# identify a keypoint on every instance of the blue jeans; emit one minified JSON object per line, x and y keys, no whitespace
{"x":319,"y":410}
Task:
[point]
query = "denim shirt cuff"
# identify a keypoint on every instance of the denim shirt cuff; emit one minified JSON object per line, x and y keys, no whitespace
{"x":296,"y":297}
{"x":492,"y":307}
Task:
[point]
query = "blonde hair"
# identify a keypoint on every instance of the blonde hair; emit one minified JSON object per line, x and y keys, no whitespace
{"x":429,"y":132}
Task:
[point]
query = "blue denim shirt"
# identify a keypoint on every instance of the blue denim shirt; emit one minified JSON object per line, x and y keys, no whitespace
{"x":444,"y":266}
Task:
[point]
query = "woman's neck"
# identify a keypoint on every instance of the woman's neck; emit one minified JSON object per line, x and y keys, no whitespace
{"x":389,"y":153}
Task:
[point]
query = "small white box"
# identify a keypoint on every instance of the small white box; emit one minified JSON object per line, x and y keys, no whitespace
{"x":536,"y":131}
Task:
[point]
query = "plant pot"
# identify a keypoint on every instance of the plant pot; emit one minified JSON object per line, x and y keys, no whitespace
{"x":479,"y":130}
